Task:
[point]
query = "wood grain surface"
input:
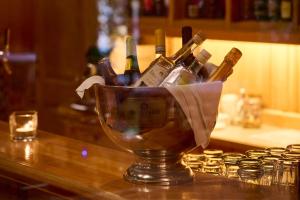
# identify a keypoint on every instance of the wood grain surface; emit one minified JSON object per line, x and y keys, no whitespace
{"x":93,"y":172}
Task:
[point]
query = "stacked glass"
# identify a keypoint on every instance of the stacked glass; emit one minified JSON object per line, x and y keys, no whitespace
{"x":271,"y":166}
{"x":213,"y":163}
{"x":194,"y":161}
{"x":250,"y":170}
{"x":268,"y":163}
{"x":231,"y":166}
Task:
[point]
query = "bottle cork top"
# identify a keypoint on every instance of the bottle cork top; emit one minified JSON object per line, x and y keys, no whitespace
{"x":130,"y":46}
{"x":233,"y":55}
{"x":159,"y":37}
{"x":203,"y":56}
{"x":199,"y":37}
{"x":186,"y":34}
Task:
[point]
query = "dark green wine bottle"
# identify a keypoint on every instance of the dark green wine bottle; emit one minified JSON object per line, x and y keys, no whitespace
{"x":132,"y":70}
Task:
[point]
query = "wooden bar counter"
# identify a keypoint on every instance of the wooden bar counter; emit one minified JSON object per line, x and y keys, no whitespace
{"x":63,"y":168}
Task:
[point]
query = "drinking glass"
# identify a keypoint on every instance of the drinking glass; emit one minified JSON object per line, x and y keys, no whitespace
{"x":23,"y":125}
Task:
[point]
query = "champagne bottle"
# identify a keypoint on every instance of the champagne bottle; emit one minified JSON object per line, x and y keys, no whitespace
{"x":183,"y":74}
{"x":225,"y":68}
{"x":162,"y":66}
{"x":160,"y":47}
{"x":132,"y":71}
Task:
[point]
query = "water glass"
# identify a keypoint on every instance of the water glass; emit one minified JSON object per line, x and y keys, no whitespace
{"x":194,"y":161}
{"x":250,"y":170}
{"x":23,"y":125}
{"x":276,"y":151}
{"x":257,"y":153}
{"x":293,"y":148}
{"x":231,"y":164}
{"x":268,"y":163}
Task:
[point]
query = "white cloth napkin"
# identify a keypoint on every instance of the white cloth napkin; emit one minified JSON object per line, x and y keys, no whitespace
{"x":87,"y":83}
{"x":198,"y":101}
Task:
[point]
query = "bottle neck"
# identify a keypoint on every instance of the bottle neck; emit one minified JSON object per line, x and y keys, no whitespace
{"x":132,"y":63}
{"x":160,"y":50}
{"x":184,"y":51}
{"x":222,"y":71}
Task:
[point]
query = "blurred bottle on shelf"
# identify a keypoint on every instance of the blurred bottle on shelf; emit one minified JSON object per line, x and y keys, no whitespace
{"x":154,"y":7}
{"x":261,"y":9}
{"x":160,"y":8}
{"x":213,"y":9}
{"x":274,"y":9}
{"x":247,"y":9}
{"x":160,"y":44}
{"x":148,"y":7}
{"x":192,"y":8}
{"x":286,"y":10}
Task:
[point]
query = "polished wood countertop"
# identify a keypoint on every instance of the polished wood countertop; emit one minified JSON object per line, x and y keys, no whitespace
{"x":94,"y":172}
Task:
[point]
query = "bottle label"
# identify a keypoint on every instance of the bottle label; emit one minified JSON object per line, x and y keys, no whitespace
{"x":286,"y":10}
{"x":158,"y":71}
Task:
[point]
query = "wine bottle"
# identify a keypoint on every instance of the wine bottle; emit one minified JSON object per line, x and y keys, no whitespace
{"x":160,"y":46}
{"x":261,"y":9}
{"x":225,"y":68}
{"x":183,"y":74}
{"x":247,"y":7}
{"x":160,"y":8}
{"x":199,"y":62}
{"x":186,"y":35}
{"x":132,"y":71}
{"x":148,"y":7}
{"x":207,"y":70}
{"x":162,"y":66}
{"x":192,"y":9}
{"x":274,"y":9}
{"x":286,"y":10}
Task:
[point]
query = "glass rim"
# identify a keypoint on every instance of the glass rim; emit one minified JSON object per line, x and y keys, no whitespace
{"x":24,"y":112}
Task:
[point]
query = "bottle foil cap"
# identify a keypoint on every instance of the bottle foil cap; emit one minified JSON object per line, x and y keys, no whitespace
{"x":159,"y":37}
{"x":233,"y":55}
{"x":130,"y":46}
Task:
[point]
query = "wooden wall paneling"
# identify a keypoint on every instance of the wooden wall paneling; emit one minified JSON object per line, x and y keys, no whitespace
{"x":89,"y":14}
{"x":19,"y":16}
{"x":292,"y":77}
{"x":60,"y":45}
{"x":59,"y":38}
{"x":279,"y":75}
{"x":295,"y":13}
